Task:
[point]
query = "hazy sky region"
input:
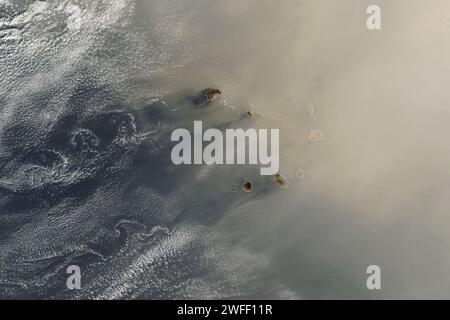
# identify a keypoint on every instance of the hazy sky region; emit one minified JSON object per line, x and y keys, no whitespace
{"x":373,"y":191}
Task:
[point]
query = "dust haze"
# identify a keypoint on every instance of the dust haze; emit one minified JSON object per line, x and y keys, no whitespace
{"x":374,"y":188}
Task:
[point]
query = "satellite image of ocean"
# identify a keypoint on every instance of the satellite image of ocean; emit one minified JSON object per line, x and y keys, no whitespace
{"x":91,"y":91}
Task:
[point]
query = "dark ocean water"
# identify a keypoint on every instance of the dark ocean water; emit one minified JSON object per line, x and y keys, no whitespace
{"x":86,"y":176}
{"x":99,"y":190}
